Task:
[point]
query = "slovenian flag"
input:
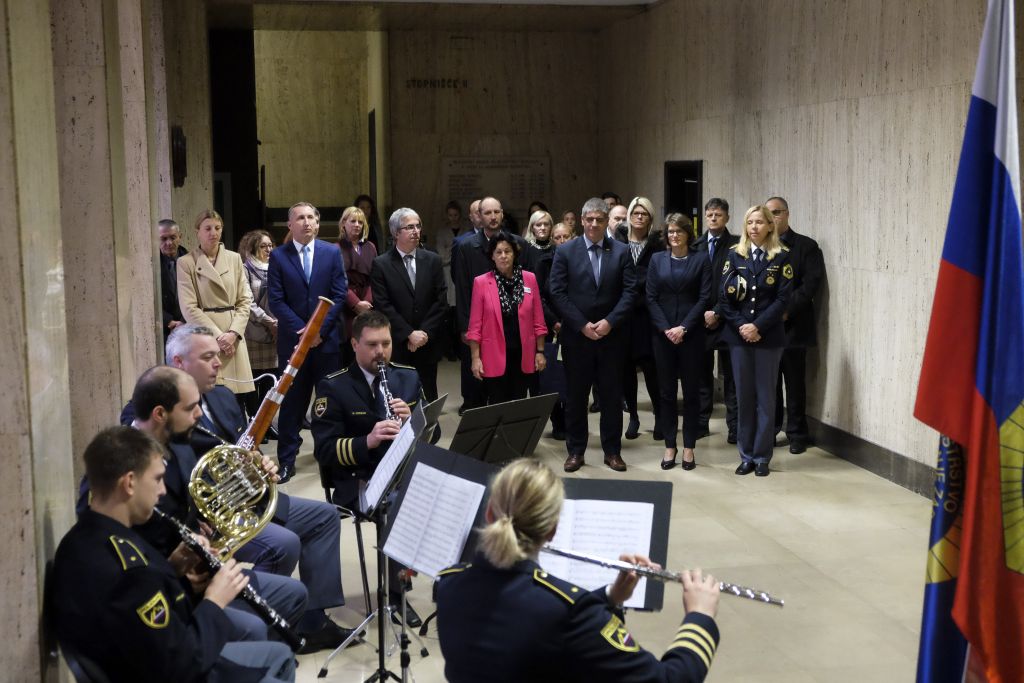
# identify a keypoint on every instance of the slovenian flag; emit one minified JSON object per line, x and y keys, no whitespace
{"x":972,"y":391}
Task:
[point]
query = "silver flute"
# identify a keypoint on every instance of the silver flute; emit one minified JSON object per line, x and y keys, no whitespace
{"x":385,"y":391}
{"x":665,"y":575}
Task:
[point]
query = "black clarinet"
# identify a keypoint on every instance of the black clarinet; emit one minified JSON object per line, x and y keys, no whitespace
{"x":249,"y":594}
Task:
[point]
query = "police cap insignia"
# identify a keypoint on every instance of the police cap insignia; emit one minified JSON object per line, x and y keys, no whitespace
{"x":617,"y":635}
{"x":787,"y":272}
{"x":320,"y":406}
{"x":155,"y":613}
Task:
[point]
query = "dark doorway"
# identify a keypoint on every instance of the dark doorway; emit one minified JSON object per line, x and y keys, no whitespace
{"x":233,"y":118}
{"x":684,"y":189}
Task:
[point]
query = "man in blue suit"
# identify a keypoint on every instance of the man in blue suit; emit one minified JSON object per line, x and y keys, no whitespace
{"x":300,"y":272}
{"x":592,"y":287}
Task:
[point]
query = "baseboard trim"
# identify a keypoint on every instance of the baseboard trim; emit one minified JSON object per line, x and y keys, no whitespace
{"x":897,"y":468}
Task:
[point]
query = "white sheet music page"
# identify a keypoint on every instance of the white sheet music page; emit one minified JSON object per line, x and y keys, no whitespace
{"x":434,"y":521}
{"x":387,"y":467}
{"x":605,"y":529}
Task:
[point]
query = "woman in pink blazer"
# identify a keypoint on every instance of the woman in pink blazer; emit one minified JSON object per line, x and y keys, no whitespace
{"x":506,"y":324}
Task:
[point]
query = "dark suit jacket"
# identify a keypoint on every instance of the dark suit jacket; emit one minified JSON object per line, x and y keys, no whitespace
{"x":577,"y":299}
{"x":674,"y":302}
{"x":293,"y":300}
{"x":714,"y":337}
{"x":169,"y":290}
{"x":421,"y":309}
{"x":808,"y":272}
{"x":640,"y":338}
{"x":471,"y":259}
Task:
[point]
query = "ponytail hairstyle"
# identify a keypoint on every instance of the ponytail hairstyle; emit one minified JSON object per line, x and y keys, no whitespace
{"x":526,"y":499}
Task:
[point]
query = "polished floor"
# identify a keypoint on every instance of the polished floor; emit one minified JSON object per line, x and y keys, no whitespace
{"x":845,"y":548}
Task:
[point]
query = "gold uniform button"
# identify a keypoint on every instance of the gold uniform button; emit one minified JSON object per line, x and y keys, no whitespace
{"x":575,"y":589}
{"x":543,"y":575}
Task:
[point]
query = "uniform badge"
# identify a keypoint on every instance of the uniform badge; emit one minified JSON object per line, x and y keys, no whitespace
{"x":787,"y":272}
{"x":155,"y":613}
{"x":616,"y":634}
{"x":320,"y":407}
{"x":725,"y":268}
{"x":731,"y":290}
{"x":770,"y":280}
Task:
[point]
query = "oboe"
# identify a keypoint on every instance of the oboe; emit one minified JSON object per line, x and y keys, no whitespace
{"x":249,"y":594}
{"x":385,"y":392}
{"x":665,"y":575}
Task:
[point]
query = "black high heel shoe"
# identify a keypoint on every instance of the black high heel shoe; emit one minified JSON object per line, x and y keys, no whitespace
{"x":669,"y":464}
{"x":689,"y":465}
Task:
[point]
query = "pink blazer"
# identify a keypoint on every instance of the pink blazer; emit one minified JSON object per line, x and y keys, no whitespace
{"x":486,"y":328}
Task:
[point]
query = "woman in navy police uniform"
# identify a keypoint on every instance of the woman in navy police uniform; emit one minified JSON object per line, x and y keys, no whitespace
{"x":503,"y":618}
{"x":756,"y":280}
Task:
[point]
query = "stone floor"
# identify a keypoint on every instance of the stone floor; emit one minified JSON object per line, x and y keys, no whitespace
{"x":845,"y":548}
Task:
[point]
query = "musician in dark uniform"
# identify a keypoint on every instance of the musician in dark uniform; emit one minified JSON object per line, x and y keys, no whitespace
{"x":503,"y":618}
{"x":808,"y":272}
{"x":303,"y":531}
{"x":715,"y":242}
{"x":118,"y":602}
{"x":351,"y":433}
{"x":756,"y":280}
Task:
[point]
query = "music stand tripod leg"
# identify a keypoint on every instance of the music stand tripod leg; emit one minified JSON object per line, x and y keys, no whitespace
{"x":383,"y":610}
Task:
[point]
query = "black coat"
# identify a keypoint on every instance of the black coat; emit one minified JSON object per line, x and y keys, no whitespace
{"x":169,"y":290}
{"x":421,"y":309}
{"x":808,"y":271}
{"x":469,"y":259}
{"x":640,"y":337}
{"x":727,"y":239}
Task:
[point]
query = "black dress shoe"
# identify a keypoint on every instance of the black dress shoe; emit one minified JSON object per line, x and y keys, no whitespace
{"x":796,"y":447}
{"x":327,"y":637}
{"x":731,"y":438}
{"x":412,"y":619}
{"x":746,"y":467}
{"x":761,"y":470}
{"x":285,"y":474}
{"x":669,"y":464}
{"x":633,"y":429}
{"x":688,"y":465}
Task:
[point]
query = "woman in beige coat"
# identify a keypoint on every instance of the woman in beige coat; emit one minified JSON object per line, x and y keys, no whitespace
{"x":213,"y":292}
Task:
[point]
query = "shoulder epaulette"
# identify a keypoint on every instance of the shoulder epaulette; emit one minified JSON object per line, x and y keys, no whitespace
{"x":129,"y":554}
{"x":404,"y":367}
{"x":732,"y":247}
{"x":784,"y":247}
{"x":335,"y":374}
{"x":563,"y":589}
{"x":454,"y":569}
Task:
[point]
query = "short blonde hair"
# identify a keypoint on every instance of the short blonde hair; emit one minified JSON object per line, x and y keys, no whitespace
{"x":772,"y":244}
{"x":526,"y":500}
{"x":534,"y":217}
{"x":359,"y":216}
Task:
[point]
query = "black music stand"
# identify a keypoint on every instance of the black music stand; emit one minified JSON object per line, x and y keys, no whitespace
{"x":432,"y":415}
{"x":373,"y":505}
{"x":502,"y":432}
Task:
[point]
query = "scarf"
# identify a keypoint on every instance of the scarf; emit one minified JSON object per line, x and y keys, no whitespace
{"x":510,"y":290}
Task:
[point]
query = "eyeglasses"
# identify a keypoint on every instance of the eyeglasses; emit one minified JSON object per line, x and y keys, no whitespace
{"x":410,"y":227}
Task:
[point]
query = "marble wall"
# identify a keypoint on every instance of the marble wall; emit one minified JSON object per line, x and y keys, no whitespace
{"x":311,"y":105}
{"x":35,"y":424}
{"x":521,"y":94}
{"x":852,"y":111}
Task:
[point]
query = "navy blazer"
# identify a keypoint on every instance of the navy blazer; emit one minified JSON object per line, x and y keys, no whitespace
{"x":755,"y":293}
{"x":293,"y":300}
{"x":673,"y":302}
{"x":578,"y":299}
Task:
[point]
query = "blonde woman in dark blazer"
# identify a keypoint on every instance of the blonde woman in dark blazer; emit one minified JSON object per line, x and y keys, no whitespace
{"x":213,"y":292}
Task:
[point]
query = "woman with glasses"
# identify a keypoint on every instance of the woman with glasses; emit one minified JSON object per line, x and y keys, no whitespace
{"x":357,"y":253}
{"x":643,"y":244}
{"x":756,"y":280}
{"x":678,"y":291}
{"x":261,"y":332}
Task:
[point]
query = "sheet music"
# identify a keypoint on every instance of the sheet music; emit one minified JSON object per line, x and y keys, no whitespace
{"x":387,"y":467}
{"x":434,"y":521}
{"x":603,"y":528}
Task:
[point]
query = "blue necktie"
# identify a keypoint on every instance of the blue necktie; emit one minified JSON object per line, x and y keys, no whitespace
{"x":595,"y":261}
{"x":712,"y":245}
{"x":305,"y":262}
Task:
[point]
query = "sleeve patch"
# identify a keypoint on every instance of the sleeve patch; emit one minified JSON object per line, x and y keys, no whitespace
{"x":129,"y":554}
{"x":616,"y":634}
{"x":320,"y":406}
{"x":155,"y":613}
{"x":343,"y":449}
{"x":787,"y":271}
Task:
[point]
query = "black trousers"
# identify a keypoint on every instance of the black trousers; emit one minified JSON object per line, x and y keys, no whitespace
{"x":679,"y":363}
{"x":793,"y":372}
{"x":584,"y":360}
{"x":707,"y":388}
{"x":511,"y":386}
{"x":630,"y":385}
{"x":293,"y":408}
{"x":471,"y":387}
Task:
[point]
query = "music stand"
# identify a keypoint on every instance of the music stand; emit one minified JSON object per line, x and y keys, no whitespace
{"x":432,"y":415}
{"x":373,"y":504}
{"x":500,"y":433}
